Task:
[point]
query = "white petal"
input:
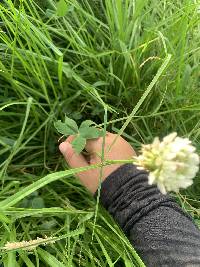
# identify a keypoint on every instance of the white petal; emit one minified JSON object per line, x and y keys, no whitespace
{"x":169,"y":138}
{"x":194,"y":158}
{"x":152,"y":178}
{"x":162,"y":189}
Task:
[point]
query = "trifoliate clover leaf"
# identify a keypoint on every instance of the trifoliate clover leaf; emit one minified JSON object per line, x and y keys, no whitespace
{"x":78,"y":144}
{"x":84,"y":132}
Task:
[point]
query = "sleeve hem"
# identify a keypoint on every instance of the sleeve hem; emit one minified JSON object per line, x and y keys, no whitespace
{"x":116,"y":180}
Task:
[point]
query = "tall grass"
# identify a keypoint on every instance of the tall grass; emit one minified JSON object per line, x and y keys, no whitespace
{"x":137,"y":59}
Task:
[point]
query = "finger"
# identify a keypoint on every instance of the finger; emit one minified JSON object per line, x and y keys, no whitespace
{"x":70,"y":138}
{"x":92,"y":145}
{"x":72,"y":158}
{"x":95,"y":145}
{"x":87,"y":178}
{"x":95,"y":159}
{"x":90,"y":148}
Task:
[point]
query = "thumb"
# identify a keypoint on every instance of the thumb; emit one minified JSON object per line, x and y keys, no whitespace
{"x":88,"y":178}
{"x":73,"y":159}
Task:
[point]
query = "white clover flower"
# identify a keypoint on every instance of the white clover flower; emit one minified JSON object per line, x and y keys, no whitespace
{"x":172,"y":163}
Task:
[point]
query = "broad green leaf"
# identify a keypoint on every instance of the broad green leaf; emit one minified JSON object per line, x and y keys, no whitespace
{"x":63,"y":128}
{"x":71,"y":124}
{"x":90,"y":132}
{"x":62,"y":8}
{"x":78,"y":144}
{"x":86,"y":123}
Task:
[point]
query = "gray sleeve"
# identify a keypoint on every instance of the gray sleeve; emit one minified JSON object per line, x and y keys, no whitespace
{"x":157,"y":227}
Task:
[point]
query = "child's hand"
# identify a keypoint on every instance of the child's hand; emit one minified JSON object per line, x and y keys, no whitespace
{"x":119,"y":150}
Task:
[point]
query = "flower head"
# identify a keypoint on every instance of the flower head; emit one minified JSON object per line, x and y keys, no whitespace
{"x":28,"y":245}
{"x":172,"y":163}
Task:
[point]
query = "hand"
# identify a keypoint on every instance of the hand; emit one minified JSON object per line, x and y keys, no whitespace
{"x":118,"y":150}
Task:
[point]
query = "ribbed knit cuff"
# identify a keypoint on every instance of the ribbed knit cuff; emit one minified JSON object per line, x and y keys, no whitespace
{"x":115,"y":181}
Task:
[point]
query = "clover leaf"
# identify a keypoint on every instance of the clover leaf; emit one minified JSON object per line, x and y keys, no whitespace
{"x":87,"y":130}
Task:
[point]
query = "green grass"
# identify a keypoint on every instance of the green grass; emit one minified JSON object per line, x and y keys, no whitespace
{"x":137,"y":60}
